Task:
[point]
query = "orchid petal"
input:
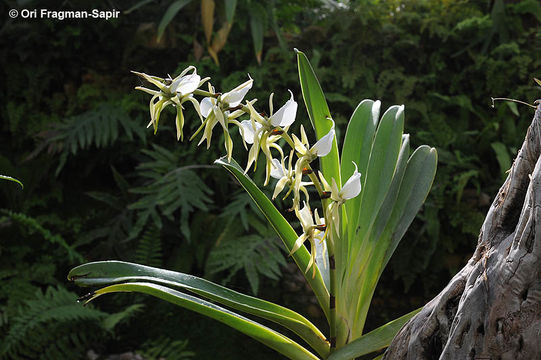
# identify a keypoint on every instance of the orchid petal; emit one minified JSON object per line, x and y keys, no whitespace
{"x":298,"y":243}
{"x":324,"y":145}
{"x":352,"y":187}
{"x":206,"y":106}
{"x":235,"y":96}
{"x":285,"y":116}
{"x":305,"y":216}
{"x":248,"y":131}
{"x":279,"y":187}
{"x":187,"y":84}
{"x":277,"y":171}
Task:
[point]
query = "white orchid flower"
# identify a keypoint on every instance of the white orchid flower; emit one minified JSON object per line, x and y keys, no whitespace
{"x":172,"y":92}
{"x":351,"y":189}
{"x":218,"y":110}
{"x":185,"y":85}
{"x":263,"y":132}
{"x":311,"y":232}
{"x":321,"y":148}
{"x":285,"y":177}
{"x":234,"y":97}
{"x":248,"y":131}
{"x":285,"y":116}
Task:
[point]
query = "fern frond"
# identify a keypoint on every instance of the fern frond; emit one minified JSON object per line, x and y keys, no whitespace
{"x":149,"y":249}
{"x":33,"y":225}
{"x":169,"y":189}
{"x":257,"y":255}
{"x":55,"y":308}
{"x":99,"y":127}
{"x":166,"y":349}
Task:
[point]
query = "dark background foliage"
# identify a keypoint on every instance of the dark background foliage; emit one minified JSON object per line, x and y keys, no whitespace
{"x":99,"y":185}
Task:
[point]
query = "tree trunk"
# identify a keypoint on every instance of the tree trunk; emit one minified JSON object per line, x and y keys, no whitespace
{"x":491,"y":309}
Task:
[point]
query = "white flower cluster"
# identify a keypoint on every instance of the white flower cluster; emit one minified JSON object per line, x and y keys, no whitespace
{"x":261,"y":133}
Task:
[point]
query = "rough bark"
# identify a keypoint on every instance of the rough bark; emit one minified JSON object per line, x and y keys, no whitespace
{"x":491,"y":309}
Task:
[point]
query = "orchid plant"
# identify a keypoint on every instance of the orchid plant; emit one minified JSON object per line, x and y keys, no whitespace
{"x":367,"y":197}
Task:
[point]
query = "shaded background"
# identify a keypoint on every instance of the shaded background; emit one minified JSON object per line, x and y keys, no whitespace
{"x":99,"y":185}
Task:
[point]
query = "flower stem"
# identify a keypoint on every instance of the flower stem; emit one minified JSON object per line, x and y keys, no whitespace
{"x":205,"y":93}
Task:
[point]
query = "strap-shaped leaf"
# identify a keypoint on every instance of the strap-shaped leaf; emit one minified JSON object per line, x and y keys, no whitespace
{"x":112,"y":272}
{"x":9,"y":178}
{"x":388,"y":205}
{"x":357,"y":146}
{"x":170,"y":13}
{"x":319,"y":114}
{"x":375,"y":340}
{"x":258,"y":20}
{"x":283,"y":229}
{"x":416,"y":184}
{"x":230,"y":6}
{"x":261,"y":333}
{"x":379,"y":174}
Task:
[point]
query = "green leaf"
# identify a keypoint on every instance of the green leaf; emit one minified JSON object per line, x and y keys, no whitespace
{"x":357,"y":145}
{"x":257,"y":255}
{"x":9,"y":178}
{"x":319,"y":114}
{"x":375,"y":340}
{"x":283,"y":229}
{"x":170,"y":13}
{"x":502,"y":155}
{"x":258,"y":17}
{"x":390,"y":200}
{"x":513,"y":107}
{"x":137,"y":6}
{"x":230,"y":6}
{"x":265,"y":335}
{"x":110,"y":272}
{"x":416,"y":184}
{"x":379,"y":174}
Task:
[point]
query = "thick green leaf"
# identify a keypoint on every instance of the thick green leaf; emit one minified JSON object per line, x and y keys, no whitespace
{"x":261,"y":333}
{"x":375,"y":340}
{"x":9,"y":178}
{"x":230,"y":6}
{"x":357,"y":145}
{"x":379,"y":175}
{"x":388,"y":205}
{"x":416,"y":184}
{"x":170,"y":13}
{"x":319,"y":114}
{"x":283,"y":229}
{"x":258,"y":17}
{"x":112,"y":272}
{"x":414,"y":187}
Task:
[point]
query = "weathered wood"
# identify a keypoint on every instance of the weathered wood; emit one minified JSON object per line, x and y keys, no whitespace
{"x":491,"y":309}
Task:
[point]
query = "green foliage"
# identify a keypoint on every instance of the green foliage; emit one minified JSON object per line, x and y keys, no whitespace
{"x":166,"y":348}
{"x":166,"y":185}
{"x":258,"y":254}
{"x":149,"y":249}
{"x":50,"y":326}
{"x":443,"y":59}
{"x":99,"y":127}
{"x":32,"y":225}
